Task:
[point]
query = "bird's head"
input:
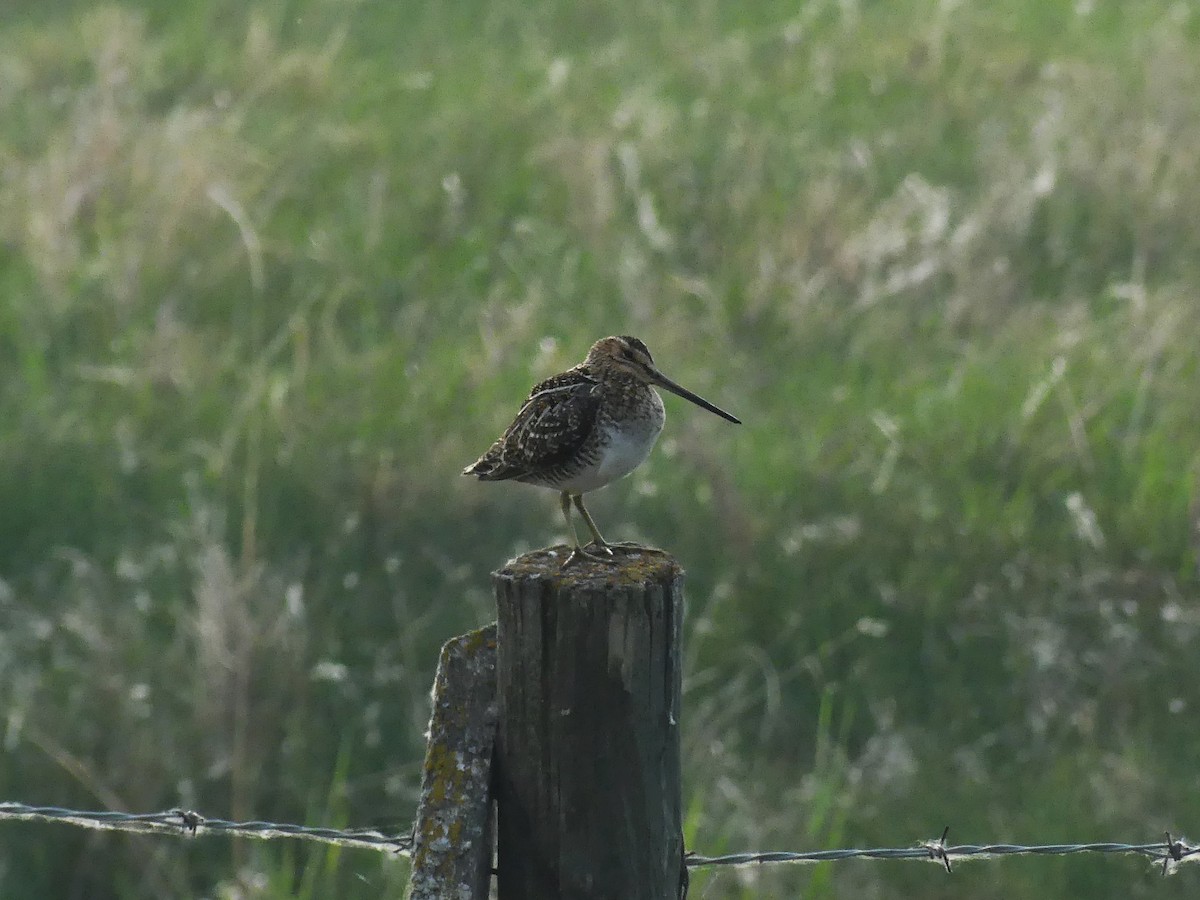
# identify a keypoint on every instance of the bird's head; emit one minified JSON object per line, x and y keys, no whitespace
{"x":625,"y":354}
{"x":629,"y":356}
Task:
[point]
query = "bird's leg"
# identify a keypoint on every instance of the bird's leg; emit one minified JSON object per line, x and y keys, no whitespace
{"x":600,"y":541}
{"x":597,"y":538}
{"x":576,"y":550}
{"x":565,"y":502}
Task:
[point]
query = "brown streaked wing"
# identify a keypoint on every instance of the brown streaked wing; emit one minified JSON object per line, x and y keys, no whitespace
{"x":551,"y":427}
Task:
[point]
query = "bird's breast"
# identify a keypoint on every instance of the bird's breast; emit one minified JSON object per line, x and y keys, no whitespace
{"x":620,"y":446}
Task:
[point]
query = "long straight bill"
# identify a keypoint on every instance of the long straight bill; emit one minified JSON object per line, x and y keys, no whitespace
{"x":665,"y":382}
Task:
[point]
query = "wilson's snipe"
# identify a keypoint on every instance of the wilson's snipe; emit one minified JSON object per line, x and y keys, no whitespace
{"x":586,"y":427}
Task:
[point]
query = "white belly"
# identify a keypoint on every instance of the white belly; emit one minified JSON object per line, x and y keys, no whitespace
{"x":624,"y":451}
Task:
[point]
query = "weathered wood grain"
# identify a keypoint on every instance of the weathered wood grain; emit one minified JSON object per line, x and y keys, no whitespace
{"x":587,"y":764}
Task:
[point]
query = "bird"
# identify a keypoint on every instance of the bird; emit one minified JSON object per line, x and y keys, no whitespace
{"x":585,"y":428}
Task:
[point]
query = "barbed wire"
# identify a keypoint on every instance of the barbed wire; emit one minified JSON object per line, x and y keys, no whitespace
{"x":1170,"y":852}
{"x":192,"y":824}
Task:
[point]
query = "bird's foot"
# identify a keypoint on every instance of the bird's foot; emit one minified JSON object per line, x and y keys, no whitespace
{"x":579,"y":554}
{"x":633,"y":545}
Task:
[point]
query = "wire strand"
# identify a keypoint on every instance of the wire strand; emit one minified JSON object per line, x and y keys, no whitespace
{"x":1170,"y":852}
{"x":188,"y":823}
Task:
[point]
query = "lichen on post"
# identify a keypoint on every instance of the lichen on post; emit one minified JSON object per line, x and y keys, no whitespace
{"x":452,"y":849}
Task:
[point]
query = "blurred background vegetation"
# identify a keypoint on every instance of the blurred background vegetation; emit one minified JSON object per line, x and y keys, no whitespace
{"x":271,"y":274}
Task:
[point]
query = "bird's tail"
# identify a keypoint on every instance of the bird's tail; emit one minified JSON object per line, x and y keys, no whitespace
{"x":486,"y":468}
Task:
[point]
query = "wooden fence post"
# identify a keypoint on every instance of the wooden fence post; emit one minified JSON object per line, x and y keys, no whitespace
{"x":452,"y":849}
{"x":587,"y":756}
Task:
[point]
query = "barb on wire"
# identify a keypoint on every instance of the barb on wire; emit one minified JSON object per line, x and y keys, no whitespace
{"x":181,"y":821}
{"x":937,"y":850}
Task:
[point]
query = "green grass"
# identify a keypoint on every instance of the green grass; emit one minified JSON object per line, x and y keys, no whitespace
{"x":272,"y":276}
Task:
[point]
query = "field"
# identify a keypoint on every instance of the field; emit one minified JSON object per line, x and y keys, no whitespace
{"x":272,"y":274}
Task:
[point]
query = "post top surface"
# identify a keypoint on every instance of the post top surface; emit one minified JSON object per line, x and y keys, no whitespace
{"x":630,"y":565}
